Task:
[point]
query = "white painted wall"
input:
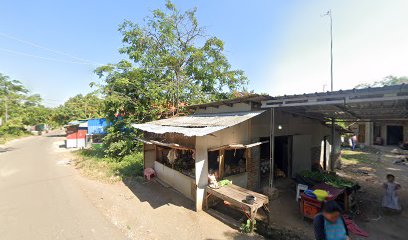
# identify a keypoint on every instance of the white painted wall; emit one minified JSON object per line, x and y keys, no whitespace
{"x":239,"y":179}
{"x":369,"y":130}
{"x":291,"y":125}
{"x":175,"y":179}
{"x":201,"y":170}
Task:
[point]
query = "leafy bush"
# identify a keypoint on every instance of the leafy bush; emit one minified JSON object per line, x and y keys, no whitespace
{"x":130,"y":166}
{"x":12,"y":129}
{"x":119,"y":141}
{"x":94,"y":164}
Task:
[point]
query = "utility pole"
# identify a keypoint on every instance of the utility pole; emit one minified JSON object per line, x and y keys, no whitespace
{"x":329,"y":13}
{"x":333,"y":120}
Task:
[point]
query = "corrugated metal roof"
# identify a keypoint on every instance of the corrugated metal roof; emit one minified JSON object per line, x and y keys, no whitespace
{"x":246,"y":99}
{"x":197,"y":124}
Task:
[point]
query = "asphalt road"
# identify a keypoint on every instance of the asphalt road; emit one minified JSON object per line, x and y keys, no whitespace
{"x":41,"y":198}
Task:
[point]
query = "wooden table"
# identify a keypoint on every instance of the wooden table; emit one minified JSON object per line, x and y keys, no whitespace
{"x":335,"y":192}
{"x":309,"y":207}
{"x":236,"y":196}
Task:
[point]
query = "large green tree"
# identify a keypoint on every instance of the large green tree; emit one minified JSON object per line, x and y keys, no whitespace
{"x":78,"y":107}
{"x":12,"y":95}
{"x":19,"y":108}
{"x":170,"y":62}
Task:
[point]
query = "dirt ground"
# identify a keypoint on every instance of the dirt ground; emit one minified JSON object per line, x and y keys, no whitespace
{"x":148,"y":210}
{"x":369,"y":168}
{"x":151,"y":211}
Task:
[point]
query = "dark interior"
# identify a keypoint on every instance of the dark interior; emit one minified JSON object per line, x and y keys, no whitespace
{"x":395,"y":135}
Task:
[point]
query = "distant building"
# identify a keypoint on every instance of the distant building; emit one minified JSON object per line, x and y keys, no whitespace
{"x":76,"y":134}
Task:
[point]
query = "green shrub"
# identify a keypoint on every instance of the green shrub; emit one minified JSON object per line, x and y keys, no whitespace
{"x":93,"y":163}
{"x":12,"y":129}
{"x":119,"y":141}
{"x":130,"y":166}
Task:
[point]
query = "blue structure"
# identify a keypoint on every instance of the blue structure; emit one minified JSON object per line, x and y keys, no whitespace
{"x":97,"y":126}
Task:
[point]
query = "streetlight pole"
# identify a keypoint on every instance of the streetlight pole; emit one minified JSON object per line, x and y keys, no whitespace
{"x":331,"y":50}
{"x":333,"y":132}
{"x":329,"y":13}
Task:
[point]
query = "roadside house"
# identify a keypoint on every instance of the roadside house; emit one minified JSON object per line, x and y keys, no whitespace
{"x":382,"y":132}
{"x":232,"y":138}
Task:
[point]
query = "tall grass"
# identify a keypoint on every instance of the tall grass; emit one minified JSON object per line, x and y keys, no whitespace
{"x":93,"y":163}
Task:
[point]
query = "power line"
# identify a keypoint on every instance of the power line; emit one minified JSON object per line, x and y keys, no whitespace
{"x":48,"y":49}
{"x":44,"y":58}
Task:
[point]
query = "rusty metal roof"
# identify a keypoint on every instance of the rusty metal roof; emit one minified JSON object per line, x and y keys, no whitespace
{"x":368,"y":104}
{"x":197,"y":124}
{"x":257,"y":98}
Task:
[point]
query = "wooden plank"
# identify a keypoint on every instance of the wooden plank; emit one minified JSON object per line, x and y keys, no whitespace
{"x":144,"y":141}
{"x":237,"y":146}
{"x":256,"y":144}
{"x":231,"y":199}
{"x":259,"y":196}
{"x":221,"y":164}
{"x":171,"y":145}
{"x":235,"y":195}
{"x":226,"y":147}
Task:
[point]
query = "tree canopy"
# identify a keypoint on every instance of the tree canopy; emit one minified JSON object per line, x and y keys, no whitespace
{"x":387,"y":81}
{"x":78,"y":107}
{"x":170,"y":62}
{"x":18,"y":106}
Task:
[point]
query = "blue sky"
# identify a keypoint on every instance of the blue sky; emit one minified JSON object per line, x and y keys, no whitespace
{"x":283,"y":46}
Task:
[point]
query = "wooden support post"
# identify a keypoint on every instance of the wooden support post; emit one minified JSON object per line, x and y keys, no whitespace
{"x":221,"y":165}
{"x":272,"y":147}
{"x":332,"y":154}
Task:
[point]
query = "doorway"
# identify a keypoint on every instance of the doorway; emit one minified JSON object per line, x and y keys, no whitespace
{"x":282,"y":157}
{"x":395,"y":135}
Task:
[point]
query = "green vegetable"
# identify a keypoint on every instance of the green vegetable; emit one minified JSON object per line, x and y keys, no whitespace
{"x":246,"y":227}
{"x":330,"y":179}
{"x":224,"y":182}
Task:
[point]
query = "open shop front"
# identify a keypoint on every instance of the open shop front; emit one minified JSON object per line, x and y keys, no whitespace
{"x":174,"y":165}
{"x":230,"y":162}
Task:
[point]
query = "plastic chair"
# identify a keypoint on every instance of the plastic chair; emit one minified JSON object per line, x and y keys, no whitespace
{"x":149,"y":173}
{"x":300,"y":187}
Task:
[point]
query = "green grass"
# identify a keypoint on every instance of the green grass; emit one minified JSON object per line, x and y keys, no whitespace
{"x":358,"y":157}
{"x":94,"y":164}
{"x":4,"y":138}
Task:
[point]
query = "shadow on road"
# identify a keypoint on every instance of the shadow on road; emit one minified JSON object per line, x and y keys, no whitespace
{"x":56,"y":135}
{"x":6,"y":149}
{"x":157,"y":195}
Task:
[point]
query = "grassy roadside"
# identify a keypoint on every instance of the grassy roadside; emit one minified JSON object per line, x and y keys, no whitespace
{"x":4,"y":138}
{"x":93,"y":164}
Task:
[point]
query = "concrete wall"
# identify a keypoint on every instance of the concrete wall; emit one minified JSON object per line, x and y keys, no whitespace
{"x":369,"y":130}
{"x":291,"y":125}
{"x":176,"y":180}
{"x":393,"y":123}
{"x":235,"y":134}
{"x":296,"y":125}
{"x":149,"y":155}
{"x":201,"y":170}
{"x":239,"y":179}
